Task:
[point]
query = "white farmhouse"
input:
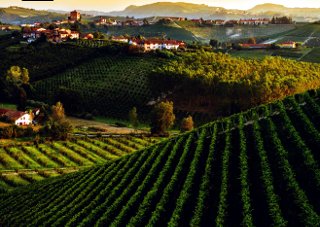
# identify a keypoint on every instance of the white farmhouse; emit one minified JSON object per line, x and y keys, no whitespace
{"x":17,"y":117}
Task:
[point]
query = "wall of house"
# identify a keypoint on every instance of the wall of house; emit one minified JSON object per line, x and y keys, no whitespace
{"x":24,"y":120}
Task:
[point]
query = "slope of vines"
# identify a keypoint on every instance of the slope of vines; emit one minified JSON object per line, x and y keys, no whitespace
{"x":102,"y":84}
{"x":24,"y":164}
{"x":257,"y":168}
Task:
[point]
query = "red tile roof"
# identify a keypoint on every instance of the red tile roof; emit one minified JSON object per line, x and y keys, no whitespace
{"x":288,"y":42}
{"x":14,"y":115}
{"x":4,"y":111}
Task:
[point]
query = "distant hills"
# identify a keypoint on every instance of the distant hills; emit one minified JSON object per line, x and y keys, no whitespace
{"x":179,"y":9}
{"x":18,"y":15}
{"x":195,"y":11}
{"x":308,"y":14}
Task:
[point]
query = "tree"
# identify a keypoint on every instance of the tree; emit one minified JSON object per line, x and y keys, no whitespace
{"x":162,"y":118}
{"x":57,"y":127}
{"x":98,"y":35}
{"x":57,"y":130}
{"x":252,"y":40}
{"x":214,"y":43}
{"x":133,"y":117}
{"x":187,"y":124}
{"x":58,"y":112}
{"x":17,"y":76}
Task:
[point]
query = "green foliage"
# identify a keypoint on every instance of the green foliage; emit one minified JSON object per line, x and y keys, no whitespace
{"x":111,"y":85}
{"x":14,"y":131}
{"x":58,"y":112}
{"x":57,"y":127}
{"x":17,"y":75}
{"x":252,"y":40}
{"x":48,"y":157}
{"x":162,"y":118}
{"x":133,"y":117}
{"x":233,"y":83}
{"x":255,"y":168}
{"x":187,"y":124}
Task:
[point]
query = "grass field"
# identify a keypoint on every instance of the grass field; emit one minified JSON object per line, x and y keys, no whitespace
{"x":56,"y":158}
{"x":8,"y":106}
{"x":255,"y":168}
{"x":294,"y":54}
{"x":313,"y":56}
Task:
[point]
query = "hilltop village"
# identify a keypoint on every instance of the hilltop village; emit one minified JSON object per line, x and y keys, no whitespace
{"x":62,"y":31}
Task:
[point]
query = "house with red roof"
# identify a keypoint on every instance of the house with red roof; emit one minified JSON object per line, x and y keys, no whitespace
{"x":17,"y":117}
{"x":120,"y":39}
{"x":288,"y":45}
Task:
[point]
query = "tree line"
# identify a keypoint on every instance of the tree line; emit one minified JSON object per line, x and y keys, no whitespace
{"x":221,"y":84}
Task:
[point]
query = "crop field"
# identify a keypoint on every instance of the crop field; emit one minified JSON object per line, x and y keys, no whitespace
{"x":156,"y":30}
{"x":103,"y":83}
{"x":224,"y":34}
{"x":24,"y":164}
{"x":257,"y":168}
{"x":313,"y":56}
{"x":308,"y":34}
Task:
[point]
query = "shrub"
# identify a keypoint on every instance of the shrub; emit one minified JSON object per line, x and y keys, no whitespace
{"x":187,"y":124}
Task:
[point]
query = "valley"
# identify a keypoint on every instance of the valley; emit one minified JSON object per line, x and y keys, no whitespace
{"x":164,"y":114}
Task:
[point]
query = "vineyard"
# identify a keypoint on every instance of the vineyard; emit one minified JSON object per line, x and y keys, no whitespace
{"x":260,"y":167}
{"x":224,"y":34}
{"x":24,"y":164}
{"x":102,"y":85}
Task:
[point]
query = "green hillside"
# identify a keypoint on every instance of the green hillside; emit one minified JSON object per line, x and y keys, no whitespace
{"x":15,"y":14}
{"x":231,"y":34}
{"x":256,"y":168}
{"x":111,"y":85}
{"x":157,"y":30}
{"x":27,"y":163}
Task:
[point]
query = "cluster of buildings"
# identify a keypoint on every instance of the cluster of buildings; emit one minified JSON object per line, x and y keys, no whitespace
{"x":250,"y":21}
{"x":258,"y":21}
{"x":19,"y":118}
{"x":56,"y":35}
{"x":112,"y":22}
{"x":5,"y":28}
{"x":151,"y":44}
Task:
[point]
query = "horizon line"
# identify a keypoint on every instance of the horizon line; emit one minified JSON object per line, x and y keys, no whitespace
{"x":97,"y":10}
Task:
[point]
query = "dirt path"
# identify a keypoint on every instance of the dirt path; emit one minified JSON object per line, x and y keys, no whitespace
{"x":106,"y":128}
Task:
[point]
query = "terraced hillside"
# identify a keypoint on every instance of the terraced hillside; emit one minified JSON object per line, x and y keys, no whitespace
{"x":257,"y":168}
{"x":102,"y":84}
{"x":24,"y":164}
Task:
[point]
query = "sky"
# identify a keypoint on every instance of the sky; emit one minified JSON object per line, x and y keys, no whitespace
{"x":112,"y":5}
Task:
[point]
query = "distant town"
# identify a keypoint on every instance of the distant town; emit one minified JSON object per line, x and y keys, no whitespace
{"x":62,"y":31}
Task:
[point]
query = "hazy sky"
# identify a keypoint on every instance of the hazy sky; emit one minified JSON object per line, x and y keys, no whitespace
{"x":110,"y":5}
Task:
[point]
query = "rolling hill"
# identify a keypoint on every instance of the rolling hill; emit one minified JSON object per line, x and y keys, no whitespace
{"x":103,"y":83}
{"x":19,"y":15}
{"x":26,"y":163}
{"x":256,"y":168}
{"x":190,"y":10}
